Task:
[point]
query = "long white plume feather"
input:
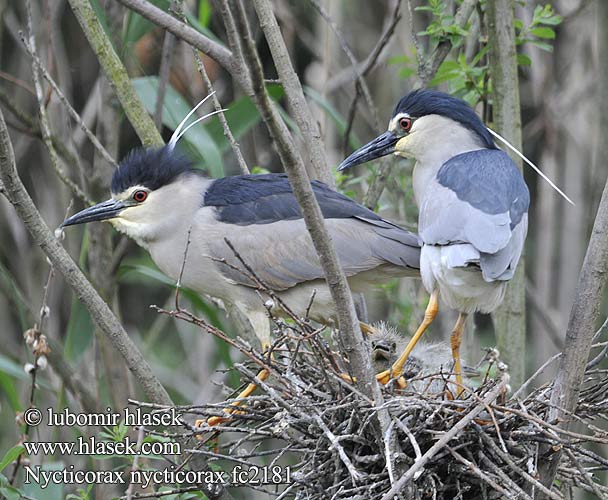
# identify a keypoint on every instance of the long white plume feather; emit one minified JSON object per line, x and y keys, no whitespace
{"x":176,"y":133}
{"x":538,"y":171}
{"x":208,"y":115}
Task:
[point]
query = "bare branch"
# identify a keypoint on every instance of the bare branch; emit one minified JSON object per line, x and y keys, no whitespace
{"x":446,"y":438}
{"x":184,"y":32}
{"x":44,"y":122}
{"x":354,"y":344}
{"x":587,"y":303}
{"x":510,"y":318}
{"x":116,"y":73}
{"x":443,"y":49}
{"x":163,"y":76}
{"x":102,"y":315}
{"x":295,"y":95}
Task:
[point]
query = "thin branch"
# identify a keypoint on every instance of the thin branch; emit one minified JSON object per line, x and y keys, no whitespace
{"x":236,"y":149}
{"x":116,"y":73}
{"x":588,"y":299}
{"x":446,"y":438}
{"x":354,"y":343}
{"x":71,"y":111}
{"x":163,"y":75}
{"x":102,"y":315}
{"x":294,"y":93}
{"x":441,"y":52}
{"x":44,"y":123}
{"x":63,"y":263}
{"x":443,"y":49}
{"x":191,"y":36}
{"x":351,"y":57}
{"x":33,"y":128}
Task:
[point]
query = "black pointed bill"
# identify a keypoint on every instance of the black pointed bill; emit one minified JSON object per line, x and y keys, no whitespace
{"x":381,"y":146}
{"x":102,"y":211}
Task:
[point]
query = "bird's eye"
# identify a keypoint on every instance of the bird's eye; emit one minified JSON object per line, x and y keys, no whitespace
{"x":140,"y":195}
{"x":405,"y":124}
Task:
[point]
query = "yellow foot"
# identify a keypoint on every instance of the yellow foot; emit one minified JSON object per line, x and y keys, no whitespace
{"x":216,"y":420}
{"x":385,"y":377}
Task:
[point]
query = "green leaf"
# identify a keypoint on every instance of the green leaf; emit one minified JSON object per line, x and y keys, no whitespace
{"x":10,"y":456}
{"x":14,"y":369}
{"x":406,"y":72}
{"x":546,"y":33}
{"x":175,"y":108}
{"x":523,"y":60}
{"x":542,"y":45}
{"x":80,"y":332}
{"x":7,"y":383}
{"x":137,"y":26}
{"x":241,"y":115}
{"x":10,"y":492}
{"x":16,"y":295}
{"x":204,"y":13}
{"x":552,"y":21}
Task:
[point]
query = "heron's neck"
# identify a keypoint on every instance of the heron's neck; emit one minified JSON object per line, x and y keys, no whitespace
{"x":431,"y":154}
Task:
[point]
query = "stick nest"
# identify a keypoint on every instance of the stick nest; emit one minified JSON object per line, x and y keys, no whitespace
{"x":305,"y":416}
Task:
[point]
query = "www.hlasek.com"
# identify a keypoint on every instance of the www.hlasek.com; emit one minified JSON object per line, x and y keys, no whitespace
{"x":94,"y":446}
{"x":126,"y":446}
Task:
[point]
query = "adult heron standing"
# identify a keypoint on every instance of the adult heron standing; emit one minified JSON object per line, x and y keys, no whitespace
{"x":473,"y":208}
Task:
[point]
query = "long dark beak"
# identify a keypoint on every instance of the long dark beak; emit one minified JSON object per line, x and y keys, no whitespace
{"x":380,"y":146}
{"x":102,"y":211}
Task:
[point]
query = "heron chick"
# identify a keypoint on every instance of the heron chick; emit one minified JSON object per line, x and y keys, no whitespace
{"x":427,"y":370}
{"x":473,"y":207}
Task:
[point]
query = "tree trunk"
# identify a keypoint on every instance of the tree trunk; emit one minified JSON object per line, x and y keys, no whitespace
{"x":510,"y":319}
{"x":589,"y":291}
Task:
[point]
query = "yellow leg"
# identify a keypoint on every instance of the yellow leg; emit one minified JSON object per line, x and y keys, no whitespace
{"x":262,"y":375}
{"x":429,"y":315}
{"x":455,"y":341}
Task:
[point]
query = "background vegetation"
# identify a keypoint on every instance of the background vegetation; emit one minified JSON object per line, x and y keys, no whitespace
{"x":354,"y":59}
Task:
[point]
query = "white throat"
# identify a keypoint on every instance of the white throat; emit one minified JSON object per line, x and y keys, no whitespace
{"x":433,"y":141}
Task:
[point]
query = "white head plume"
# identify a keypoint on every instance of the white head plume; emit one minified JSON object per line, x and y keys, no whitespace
{"x":179,"y":133}
{"x":538,"y":171}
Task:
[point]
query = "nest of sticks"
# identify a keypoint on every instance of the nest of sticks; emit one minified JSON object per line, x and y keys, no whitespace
{"x":482,"y":445}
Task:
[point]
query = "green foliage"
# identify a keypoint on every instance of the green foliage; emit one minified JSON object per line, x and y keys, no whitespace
{"x":116,"y":433}
{"x":442,"y":26}
{"x":10,"y":456}
{"x":7,"y":491}
{"x":81,"y":494}
{"x":468,"y":77}
{"x":539,"y":29}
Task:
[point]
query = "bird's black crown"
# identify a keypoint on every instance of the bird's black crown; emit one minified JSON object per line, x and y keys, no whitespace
{"x":150,"y":167}
{"x":424,"y":102}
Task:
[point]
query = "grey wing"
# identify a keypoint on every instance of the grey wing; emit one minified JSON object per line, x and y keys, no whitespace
{"x":281,"y":254}
{"x":478,"y":205}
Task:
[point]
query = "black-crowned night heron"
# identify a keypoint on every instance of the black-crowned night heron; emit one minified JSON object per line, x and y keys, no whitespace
{"x":161,"y":202}
{"x":473,"y":207}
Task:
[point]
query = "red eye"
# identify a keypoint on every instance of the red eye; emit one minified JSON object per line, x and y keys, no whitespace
{"x":140,"y":195}
{"x":405,"y":124}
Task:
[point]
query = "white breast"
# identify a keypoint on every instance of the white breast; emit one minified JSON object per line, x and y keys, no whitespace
{"x":461,"y":288}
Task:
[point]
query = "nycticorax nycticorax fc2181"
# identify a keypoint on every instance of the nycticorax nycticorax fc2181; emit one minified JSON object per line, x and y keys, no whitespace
{"x":472,"y":201}
{"x":158,"y":199}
